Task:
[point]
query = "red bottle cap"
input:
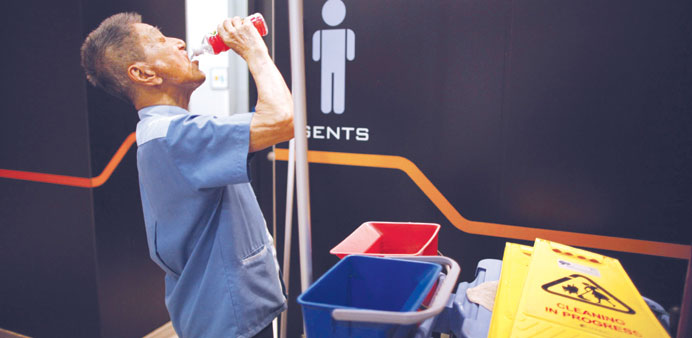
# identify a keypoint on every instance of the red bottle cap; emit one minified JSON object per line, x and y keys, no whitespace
{"x":258,"y":20}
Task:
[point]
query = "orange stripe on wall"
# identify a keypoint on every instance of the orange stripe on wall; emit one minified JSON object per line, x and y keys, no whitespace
{"x":492,"y":229}
{"x":397,"y":162}
{"x":82,"y":182}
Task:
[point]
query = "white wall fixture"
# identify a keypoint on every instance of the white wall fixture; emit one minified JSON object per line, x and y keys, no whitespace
{"x":218,"y":78}
{"x":225,"y":91}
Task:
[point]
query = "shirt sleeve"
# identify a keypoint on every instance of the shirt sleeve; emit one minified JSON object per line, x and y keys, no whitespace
{"x":211,"y":151}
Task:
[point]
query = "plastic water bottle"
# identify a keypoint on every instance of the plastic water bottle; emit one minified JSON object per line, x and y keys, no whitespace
{"x":213,"y":44}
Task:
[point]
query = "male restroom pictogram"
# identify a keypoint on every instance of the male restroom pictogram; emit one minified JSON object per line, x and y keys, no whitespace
{"x":332,"y":47}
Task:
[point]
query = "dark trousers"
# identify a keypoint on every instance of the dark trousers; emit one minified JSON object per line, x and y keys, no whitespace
{"x":265,"y":333}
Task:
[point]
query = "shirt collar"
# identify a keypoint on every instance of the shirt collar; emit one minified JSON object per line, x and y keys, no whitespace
{"x":161,"y":110}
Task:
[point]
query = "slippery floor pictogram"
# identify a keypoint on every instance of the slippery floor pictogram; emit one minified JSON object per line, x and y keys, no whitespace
{"x":583,"y":289}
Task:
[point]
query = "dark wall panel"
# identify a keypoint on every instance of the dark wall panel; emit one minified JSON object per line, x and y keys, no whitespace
{"x":599,"y":118}
{"x":75,"y":261}
{"x":48,"y":286}
{"x":570,"y":116}
{"x":43,"y":97}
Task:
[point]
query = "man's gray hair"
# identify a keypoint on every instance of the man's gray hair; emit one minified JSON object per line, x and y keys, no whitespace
{"x":109,"y":50}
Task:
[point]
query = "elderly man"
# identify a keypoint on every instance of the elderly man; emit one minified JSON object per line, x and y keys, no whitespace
{"x":203,"y":223}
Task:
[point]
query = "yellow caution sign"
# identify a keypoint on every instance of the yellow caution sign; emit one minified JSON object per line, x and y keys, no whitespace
{"x":569,"y":292}
{"x":515,"y":266}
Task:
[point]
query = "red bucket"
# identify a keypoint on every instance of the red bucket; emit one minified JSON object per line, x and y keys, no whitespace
{"x":390,"y":239}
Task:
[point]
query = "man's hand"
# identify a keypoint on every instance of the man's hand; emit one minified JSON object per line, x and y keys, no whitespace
{"x":242,"y":37}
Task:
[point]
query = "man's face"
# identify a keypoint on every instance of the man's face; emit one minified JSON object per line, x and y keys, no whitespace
{"x":169,"y":58}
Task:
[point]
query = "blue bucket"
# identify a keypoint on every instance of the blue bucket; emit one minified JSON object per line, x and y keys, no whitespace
{"x":371,"y":283}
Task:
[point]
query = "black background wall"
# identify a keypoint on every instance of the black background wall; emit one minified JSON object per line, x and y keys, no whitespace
{"x":74,"y":260}
{"x":47,"y":252}
{"x":558,"y":115}
{"x":572,"y":116}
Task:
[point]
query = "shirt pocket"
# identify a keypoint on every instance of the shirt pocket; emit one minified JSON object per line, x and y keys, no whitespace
{"x":254,"y":256}
{"x":160,"y":253}
{"x":260,"y":294}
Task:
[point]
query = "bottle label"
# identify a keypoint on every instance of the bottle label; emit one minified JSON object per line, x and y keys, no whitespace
{"x":217,"y":43}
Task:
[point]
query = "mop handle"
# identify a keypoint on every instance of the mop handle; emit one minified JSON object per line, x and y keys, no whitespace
{"x":392,"y":317}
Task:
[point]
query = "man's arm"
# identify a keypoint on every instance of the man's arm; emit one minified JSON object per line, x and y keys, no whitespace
{"x":273,"y":119}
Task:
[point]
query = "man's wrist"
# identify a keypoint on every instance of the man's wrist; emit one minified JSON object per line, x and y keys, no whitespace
{"x":257,"y":58}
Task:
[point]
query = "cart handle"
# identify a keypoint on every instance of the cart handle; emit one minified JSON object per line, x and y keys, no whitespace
{"x":438,"y":303}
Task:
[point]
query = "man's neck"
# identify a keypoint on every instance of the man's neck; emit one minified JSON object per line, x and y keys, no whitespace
{"x":163,"y":97}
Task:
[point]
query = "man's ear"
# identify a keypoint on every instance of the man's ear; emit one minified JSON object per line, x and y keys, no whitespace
{"x":141,"y":73}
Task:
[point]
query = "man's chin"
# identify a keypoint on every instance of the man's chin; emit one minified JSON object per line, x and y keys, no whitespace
{"x":197,"y":81}
{"x":201,"y":80}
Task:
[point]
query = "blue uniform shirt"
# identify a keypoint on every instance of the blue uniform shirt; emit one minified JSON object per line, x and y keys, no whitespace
{"x":204,"y":225}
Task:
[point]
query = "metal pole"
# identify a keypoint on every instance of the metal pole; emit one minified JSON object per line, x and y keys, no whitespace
{"x":288,"y":230}
{"x":295,"y":25}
